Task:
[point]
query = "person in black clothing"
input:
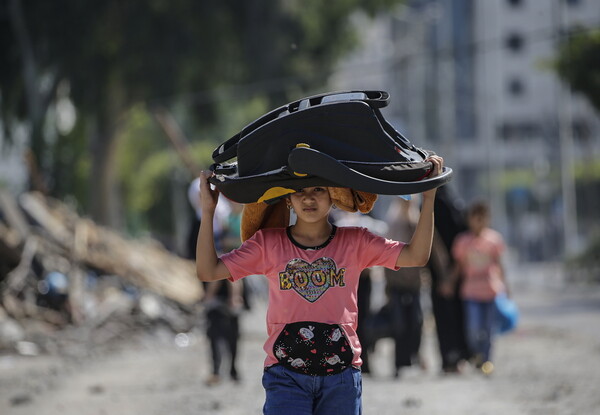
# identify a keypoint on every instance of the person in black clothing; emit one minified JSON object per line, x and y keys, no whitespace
{"x":223,"y":302}
{"x":403,"y":289}
{"x":447,"y":311}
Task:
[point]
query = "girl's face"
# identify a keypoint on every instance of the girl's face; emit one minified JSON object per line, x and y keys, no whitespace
{"x":477,"y":222}
{"x":311,"y":204}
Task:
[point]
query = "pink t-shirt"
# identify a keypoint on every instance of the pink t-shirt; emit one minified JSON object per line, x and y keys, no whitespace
{"x":312,"y":285}
{"x":479,"y":257}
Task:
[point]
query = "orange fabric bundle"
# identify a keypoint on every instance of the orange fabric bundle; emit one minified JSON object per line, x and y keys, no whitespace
{"x":261,"y":215}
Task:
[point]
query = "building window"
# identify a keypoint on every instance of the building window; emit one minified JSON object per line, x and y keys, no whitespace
{"x":582,"y":130}
{"x":514,"y":42}
{"x":515,"y":87}
{"x":519,"y":130}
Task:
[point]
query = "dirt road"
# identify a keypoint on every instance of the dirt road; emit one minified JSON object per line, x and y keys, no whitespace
{"x":550,"y":365}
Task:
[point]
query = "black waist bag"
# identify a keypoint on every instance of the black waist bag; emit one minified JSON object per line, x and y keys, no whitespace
{"x":311,"y":348}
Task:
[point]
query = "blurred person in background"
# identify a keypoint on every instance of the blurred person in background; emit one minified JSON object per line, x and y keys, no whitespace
{"x":478,"y":255}
{"x":221,"y":217}
{"x":403,"y":289}
{"x":223,"y":302}
{"x":445,"y":299}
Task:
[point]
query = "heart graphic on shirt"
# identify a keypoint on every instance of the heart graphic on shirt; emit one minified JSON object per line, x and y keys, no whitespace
{"x":311,"y":280}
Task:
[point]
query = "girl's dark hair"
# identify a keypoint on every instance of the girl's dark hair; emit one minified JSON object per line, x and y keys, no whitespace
{"x":479,"y":208}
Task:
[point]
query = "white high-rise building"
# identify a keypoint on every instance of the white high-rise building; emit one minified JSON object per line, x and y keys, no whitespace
{"x":471,"y":80}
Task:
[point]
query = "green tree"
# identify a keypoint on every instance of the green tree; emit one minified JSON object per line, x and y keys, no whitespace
{"x":207,"y":56}
{"x":578,"y":64}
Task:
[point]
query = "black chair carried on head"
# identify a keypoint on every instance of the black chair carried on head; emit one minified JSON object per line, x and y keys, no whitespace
{"x":338,"y":139}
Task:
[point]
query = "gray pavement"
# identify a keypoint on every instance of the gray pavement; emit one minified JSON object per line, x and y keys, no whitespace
{"x":549,"y":365}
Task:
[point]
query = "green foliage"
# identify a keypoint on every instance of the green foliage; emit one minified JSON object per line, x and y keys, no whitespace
{"x":216,"y":65}
{"x":148,"y":165}
{"x":140,"y":145}
{"x":578,"y":63}
{"x":71,"y":167}
{"x":233,"y":116}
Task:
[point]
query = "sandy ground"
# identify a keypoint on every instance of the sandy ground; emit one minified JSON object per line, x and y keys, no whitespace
{"x":550,"y":365}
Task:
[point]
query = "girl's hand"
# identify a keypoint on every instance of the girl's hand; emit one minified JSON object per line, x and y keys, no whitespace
{"x":438,"y":164}
{"x":208,"y":196}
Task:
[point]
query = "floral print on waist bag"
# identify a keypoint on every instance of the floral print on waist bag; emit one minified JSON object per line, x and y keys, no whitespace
{"x":313,"y":348}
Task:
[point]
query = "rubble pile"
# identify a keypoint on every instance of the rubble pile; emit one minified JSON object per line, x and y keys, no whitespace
{"x":66,"y":281}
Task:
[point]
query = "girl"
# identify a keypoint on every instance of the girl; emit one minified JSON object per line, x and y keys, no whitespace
{"x":478,"y":254}
{"x":313,"y":353}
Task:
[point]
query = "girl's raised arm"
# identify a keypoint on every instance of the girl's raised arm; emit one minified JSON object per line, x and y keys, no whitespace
{"x":416,"y":252}
{"x":208,"y":265}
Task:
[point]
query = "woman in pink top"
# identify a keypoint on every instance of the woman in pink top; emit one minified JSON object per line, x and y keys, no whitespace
{"x":478,"y":254}
{"x":313,"y":353}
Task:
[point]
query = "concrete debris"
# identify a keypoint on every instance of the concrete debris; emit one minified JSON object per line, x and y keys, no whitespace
{"x":65,"y":279}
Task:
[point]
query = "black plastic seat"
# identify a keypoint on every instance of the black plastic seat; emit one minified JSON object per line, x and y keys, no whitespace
{"x":338,"y":139}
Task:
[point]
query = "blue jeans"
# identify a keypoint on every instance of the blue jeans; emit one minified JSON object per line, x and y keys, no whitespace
{"x":480,"y":318}
{"x":291,"y":393}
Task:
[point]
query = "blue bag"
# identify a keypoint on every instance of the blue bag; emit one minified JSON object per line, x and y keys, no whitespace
{"x":507,"y":314}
